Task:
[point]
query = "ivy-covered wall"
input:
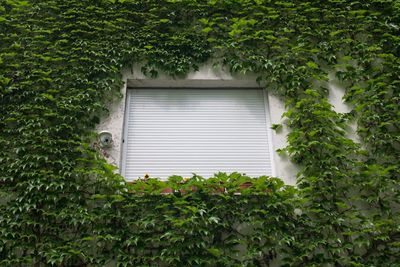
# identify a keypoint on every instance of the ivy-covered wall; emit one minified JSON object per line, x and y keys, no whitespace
{"x":61,"y":203}
{"x":208,"y":76}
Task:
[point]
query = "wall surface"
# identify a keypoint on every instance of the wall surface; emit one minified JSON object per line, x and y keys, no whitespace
{"x":209,"y":76}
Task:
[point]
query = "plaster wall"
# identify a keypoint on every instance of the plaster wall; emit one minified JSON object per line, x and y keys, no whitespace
{"x":336,"y":93}
{"x":207,"y":77}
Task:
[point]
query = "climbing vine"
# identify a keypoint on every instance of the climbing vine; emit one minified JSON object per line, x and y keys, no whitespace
{"x":63,"y":205}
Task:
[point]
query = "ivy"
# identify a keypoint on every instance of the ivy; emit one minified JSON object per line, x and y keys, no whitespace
{"x":63,"y":205}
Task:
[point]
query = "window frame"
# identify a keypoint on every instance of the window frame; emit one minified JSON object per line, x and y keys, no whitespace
{"x":218,"y":84}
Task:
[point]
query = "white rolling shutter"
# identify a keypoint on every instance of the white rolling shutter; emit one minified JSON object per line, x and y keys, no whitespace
{"x":202,"y":131}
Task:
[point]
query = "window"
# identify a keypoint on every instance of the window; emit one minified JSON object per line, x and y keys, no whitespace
{"x":196,"y":130}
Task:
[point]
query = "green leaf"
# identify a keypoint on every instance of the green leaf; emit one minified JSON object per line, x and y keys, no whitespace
{"x":312,"y":65}
{"x":276,"y":127}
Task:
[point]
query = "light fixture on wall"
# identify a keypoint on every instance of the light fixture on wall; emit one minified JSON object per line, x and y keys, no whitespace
{"x":105,"y":139}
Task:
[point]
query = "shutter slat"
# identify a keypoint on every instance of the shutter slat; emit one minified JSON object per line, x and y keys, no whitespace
{"x":202,"y":131}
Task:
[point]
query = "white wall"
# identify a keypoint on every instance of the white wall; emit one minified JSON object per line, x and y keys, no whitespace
{"x":209,"y":76}
{"x":336,"y":93}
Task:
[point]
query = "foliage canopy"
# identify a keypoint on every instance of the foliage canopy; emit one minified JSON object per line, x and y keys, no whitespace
{"x":62,"y":204}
